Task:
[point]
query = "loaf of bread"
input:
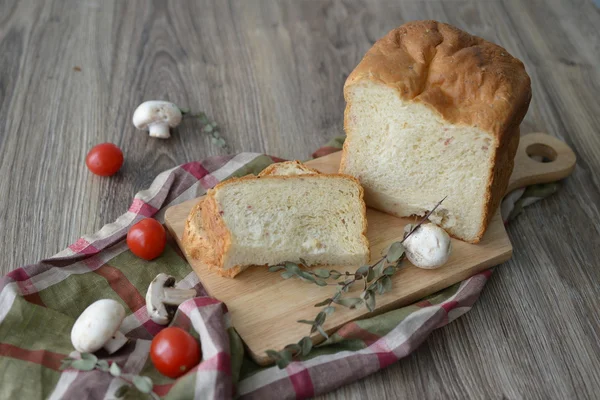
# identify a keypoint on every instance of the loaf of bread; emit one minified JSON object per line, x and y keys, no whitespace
{"x":290,"y":213}
{"x":433,"y":112}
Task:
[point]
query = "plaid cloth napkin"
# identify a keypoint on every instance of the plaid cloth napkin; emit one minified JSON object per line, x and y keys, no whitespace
{"x":39,"y":304}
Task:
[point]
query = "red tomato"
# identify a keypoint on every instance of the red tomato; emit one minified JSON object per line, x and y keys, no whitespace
{"x":104,"y":159}
{"x":147,"y":239}
{"x":174,"y":352}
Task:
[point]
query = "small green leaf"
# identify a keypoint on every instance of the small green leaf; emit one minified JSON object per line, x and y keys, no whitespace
{"x":275,"y":268}
{"x":184,"y":110}
{"x":370,"y":275}
{"x":322,"y":332}
{"x":306,"y":321}
{"x":114,"y":369}
{"x":286,"y":355}
{"x":365,"y":295}
{"x":293,"y":267}
{"x":320,"y":318}
{"x":221,"y":143}
{"x":395,"y":251}
{"x":293,"y":348}
{"x":370,"y":302}
{"x":350,"y":302}
{"x":391,"y":270}
{"x":348,"y":282}
{"x":306,"y":276}
{"x":362,"y":271}
{"x":287,"y":274}
{"x":335,"y":274}
{"x":84,"y":365}
{"x":336,"y":296}
{"x":379,"y":287}
{"x":379,"y":267}
{"x":273,"y":355}
{"x":329,"y":310}
{"x":306,"y":345}
{"x":122,"y":391}
{"x":143,"y":383}
{"x":320,"y":282}
{"x":323,"y":303}
{"x":102,"y":365}
{"x":214,"y":124}
{"x":208,"y":128}
{"x":281,"y":363}
{"x":386,"y":283}
{"x":322,"y":273}
{"x":89,"y":356}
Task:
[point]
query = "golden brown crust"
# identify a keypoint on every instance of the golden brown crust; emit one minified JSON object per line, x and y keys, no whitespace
{"x":466,"y":79}
{"x":198,"y":246}
{"x":215,"y":229}
{"x":206,"y":237}
{"x":272,"y":169}
{"x":503,"y":164}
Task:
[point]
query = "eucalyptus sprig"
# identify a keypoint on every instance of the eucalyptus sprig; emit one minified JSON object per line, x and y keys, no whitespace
{"x":89,"y":362}
{"x":209,"y":127}
{"x":377,"y":279}
{"x":316,"y":276}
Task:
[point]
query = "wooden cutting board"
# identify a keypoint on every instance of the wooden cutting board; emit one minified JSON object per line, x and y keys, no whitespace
{"x":264,"y":307}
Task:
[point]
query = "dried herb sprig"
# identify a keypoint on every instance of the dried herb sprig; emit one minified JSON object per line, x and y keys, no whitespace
{"x":209,"y":127}
{"x":377,"y":279}
{"x":316,"y":276}
{"x":89,"y":362}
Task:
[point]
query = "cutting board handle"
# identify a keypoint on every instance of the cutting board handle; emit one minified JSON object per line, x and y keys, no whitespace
{"x":558,"y":156}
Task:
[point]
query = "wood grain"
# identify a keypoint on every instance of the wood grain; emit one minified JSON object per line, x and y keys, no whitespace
{"x":271,"y":73}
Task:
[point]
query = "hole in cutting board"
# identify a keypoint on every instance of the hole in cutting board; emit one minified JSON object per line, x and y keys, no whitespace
{"x":541,"y":152}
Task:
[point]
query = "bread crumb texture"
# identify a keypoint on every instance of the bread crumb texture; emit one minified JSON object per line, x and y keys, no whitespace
{"x":315,"y":217}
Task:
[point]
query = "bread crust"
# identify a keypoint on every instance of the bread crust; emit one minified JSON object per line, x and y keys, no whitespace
{"x":464,"y":78}
{"x":273,"y":168}
{"x":196,"y":243}
{"x":207,"y":239}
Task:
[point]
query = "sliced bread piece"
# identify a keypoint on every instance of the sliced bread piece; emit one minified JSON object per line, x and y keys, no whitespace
{"x":270,"y":219}
{"x":432,"y":112}
{"x":288,"y":168}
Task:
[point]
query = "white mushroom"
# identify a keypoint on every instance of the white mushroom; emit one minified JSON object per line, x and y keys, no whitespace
{"x":162,"y":293}
{"x":157,"y":117}
{"x":98,"y":326}
{"x":428,"y":246}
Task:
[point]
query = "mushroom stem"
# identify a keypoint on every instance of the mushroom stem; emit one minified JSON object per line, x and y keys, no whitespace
{"x":159,"y":130}
{"x":175,"y":297}
{"x":117,"y":341}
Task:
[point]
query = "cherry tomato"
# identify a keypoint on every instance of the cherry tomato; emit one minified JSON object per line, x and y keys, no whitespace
{"x":104,"y":159}
{"x":174,"y":352}
{"x":147,"y":239}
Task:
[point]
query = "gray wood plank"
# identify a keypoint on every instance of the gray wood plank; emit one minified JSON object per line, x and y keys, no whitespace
{"x":271,"y":74}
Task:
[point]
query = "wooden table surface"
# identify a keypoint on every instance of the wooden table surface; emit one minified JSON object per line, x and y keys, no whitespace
{"x":271,"y":73}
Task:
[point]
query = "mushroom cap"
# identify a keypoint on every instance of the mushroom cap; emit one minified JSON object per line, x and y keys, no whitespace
{"x":156,"y":112}
{"x":96,"y":325}
{"x":428,"y":247}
